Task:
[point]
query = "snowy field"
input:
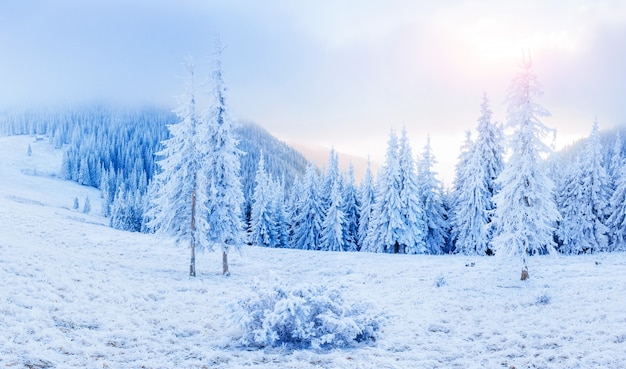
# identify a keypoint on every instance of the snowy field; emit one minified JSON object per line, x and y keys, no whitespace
{"x":75,"y":293}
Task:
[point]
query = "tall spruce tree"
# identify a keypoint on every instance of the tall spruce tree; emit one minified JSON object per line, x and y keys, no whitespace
{"x":617,"y":219}
{"x":120,"y":210}
{"x":526,"y":213}
{"x":84,"y":177}
{"x":175,"y":208}
{"x":431,"y":197}
{"x":127,"y":209}
{"x":329,"y":178}
{"x":221,"y":180}
{"x":583,"y":201}
{"x":461,"y":173}
{"x":366,"y":204}
{"x":279,"y":217}
{"x":570,"y":236}
{"x":480,"y":163}
{"x":308,"y":213}
{"x":292,"y":209}
{"x":87,"y":206}
{"x":350,"y":210}
{"x":490,"y":155}
{"x":615,"y":162}
{"x":262,"y":225}
{"x":413,"y":216}
{"x":386,"y":226}
{"x":471,"y":207}
{"x":332,"y":234}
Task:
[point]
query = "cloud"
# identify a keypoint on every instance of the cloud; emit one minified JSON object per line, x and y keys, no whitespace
{"x":331,"y":72}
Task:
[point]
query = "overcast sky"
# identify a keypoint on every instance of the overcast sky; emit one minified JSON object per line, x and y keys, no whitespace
{"x":327,"y":72}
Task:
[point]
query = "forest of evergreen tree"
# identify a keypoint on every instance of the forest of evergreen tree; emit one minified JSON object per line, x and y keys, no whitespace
{"x":291,"y":203}
{"x":404,"y":208}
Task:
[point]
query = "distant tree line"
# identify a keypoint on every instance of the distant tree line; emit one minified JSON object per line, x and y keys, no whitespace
{"x":573,"y":201}
{"x":113,"y":149}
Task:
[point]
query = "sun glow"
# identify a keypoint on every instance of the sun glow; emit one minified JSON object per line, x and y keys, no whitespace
{"x":499,"y":47}
{"x":500,"y":37}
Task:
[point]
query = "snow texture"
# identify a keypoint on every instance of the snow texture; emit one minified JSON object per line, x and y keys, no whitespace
{"x":76,"y":293}
{"x":307,"y":316}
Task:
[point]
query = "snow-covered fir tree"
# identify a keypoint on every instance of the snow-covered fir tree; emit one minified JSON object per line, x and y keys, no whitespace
{"x":526,"y":213}
{"x":366,"y":204}
{"x":120,"y":212}
{"x":617,"y":219}
{"x":615,"y":163}
{"x":446,"y":199}
{"x":281,"y":226}
{"x":332,"y":235}
{"x":569,"y":196}
{"x":480,"y":163}
{"x":108,"y":192}
{"x":292,"y":210}
{"x":431,"y":198}
{"x":262,"y":224}
{"x":350,"y":209}
{"x":470,"y":220}
{"x":307,"y":214}
{"x":104,"y":192}
{"x":176,"y":206}
{"x":127,"y":209}
{"x":87,"y":205}
{"x":84,"y":176}
{"x":596,"y":184}
{"x":461,"y":173}
{"x":137,"y":205}
{"x":386,"y":226}
{"x":584,"y":202}
{"x":220,"y":179}
{"x":329,"y":178}
{"x":66,"y":165}
{"x":489,"y":147}
{"x":412,"y":214}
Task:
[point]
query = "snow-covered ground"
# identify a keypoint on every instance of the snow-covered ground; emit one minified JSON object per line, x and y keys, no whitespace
{"x":75,"y":293}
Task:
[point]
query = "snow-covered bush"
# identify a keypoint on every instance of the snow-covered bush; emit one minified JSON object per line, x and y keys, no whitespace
{"x":304,"y":317}
{"x":543,"y":299}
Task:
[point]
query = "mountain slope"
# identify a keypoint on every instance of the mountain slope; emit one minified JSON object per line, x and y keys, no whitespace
{"x":119,"y":146}
{"x":282,"y":162}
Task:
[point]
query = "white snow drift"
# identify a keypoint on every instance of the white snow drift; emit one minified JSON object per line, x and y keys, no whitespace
{"x":75,"y":293}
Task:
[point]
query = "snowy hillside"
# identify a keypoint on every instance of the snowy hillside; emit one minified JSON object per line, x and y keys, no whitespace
{"x":76,"y":293}
{"x":92,"y":136}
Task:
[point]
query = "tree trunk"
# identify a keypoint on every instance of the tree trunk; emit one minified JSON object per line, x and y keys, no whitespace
{"x":192,"y":264}
{"x":225,"y":264}
{"x":525,"y":275}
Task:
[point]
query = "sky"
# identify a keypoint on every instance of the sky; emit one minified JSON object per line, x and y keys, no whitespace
{"x":333,"y":73}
